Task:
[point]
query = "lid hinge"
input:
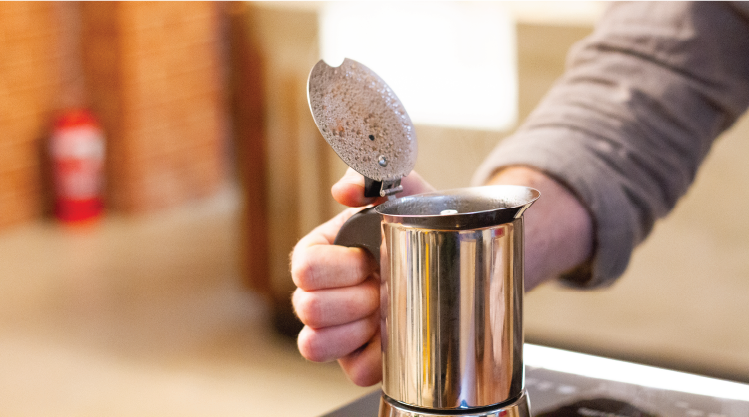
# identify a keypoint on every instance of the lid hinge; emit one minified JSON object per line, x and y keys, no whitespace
{"x":373,"y":188}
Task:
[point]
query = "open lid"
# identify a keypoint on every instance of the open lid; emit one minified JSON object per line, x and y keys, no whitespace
{"x":364,"y":122}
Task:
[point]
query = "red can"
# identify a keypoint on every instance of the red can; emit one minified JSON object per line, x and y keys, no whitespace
{"x":77,"y":154}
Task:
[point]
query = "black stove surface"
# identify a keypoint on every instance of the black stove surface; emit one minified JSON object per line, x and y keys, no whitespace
{"x":560,"y":394}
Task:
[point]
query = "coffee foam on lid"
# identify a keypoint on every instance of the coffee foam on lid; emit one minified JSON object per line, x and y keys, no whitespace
{"x":363,"y":120}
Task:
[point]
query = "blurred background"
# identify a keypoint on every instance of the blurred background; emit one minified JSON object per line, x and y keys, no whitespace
{"x":175,"y":299}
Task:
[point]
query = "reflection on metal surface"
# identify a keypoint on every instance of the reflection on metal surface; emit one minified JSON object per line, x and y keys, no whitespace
{"x":453,"y":316}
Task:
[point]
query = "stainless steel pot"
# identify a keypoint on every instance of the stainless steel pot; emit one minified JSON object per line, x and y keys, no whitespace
{"x":451,"y":264}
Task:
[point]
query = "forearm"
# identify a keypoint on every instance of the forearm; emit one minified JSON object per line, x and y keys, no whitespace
{"x":559,"y":230}
{"x":632,"y":118}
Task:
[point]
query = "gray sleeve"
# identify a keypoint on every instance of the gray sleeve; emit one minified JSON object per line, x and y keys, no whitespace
{"x":632,"y":118}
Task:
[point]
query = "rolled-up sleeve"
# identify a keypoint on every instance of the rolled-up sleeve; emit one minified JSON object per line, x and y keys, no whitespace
{"x":633,"y":117}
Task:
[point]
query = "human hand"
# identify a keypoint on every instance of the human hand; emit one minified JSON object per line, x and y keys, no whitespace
{"x":338,"y":294}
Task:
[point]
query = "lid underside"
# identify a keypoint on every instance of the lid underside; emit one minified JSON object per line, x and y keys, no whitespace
{"x":362,"y":119}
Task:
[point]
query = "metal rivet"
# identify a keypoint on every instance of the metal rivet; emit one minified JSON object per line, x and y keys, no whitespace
{"x":382,"y":161}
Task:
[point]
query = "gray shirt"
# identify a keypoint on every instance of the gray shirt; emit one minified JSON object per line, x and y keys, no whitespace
{"x":634,"y":115}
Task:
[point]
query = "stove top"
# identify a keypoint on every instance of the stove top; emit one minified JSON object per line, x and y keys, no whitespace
{"x":566,"y":384}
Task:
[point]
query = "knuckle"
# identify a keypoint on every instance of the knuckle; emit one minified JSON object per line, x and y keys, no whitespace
{"x":360,"y":377}
{"x":309,"y":308}
{"x":310,"y":346}
{"x":297,"y":301}
{"x":362,"y":370}
{"x":354,"y":372}
{"x":303,"y":270}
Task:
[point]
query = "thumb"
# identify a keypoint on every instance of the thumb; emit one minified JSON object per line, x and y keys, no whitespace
{"x":414,"y":184}
{"x":349,"y":190}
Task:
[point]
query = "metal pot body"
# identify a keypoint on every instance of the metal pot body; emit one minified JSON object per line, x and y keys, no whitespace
{"x":451,"y":264}
{"x":452,"y":334}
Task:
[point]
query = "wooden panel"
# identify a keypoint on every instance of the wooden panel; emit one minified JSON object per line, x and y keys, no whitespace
{"x":156,"y":74}
{"x":248,"y":107}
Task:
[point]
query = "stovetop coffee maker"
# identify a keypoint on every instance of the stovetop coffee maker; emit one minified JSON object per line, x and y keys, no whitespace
{"x":451,"y":262}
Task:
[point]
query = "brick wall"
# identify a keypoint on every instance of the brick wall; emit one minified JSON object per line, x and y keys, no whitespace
{"x":151,"y":71}
{"x":29,"y":92}
{"x":155,"y":75}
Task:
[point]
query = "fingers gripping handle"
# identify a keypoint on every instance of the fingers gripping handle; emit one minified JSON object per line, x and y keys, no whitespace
{"x":362,"y":230}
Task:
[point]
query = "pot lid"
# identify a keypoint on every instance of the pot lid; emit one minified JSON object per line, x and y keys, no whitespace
{"x":363,"y":121}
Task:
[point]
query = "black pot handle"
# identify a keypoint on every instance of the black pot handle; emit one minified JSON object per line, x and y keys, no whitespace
{"x":362,"y":230}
